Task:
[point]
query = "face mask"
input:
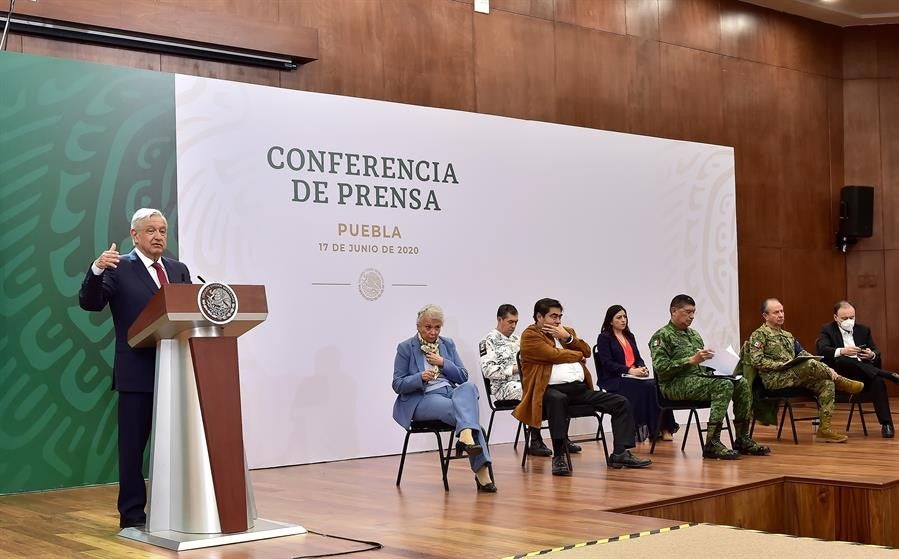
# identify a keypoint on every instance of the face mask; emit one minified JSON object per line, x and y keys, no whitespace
{"x":848,"y":324}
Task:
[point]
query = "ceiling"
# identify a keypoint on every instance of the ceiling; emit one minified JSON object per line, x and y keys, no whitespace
{"x":844,"y":13}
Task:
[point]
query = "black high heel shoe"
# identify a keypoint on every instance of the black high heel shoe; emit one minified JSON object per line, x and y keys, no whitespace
{"x":489,"y":488}
{"x":471,"y":449}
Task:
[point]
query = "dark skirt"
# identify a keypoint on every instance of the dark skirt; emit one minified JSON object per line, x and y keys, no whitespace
{"x":645,"y":407}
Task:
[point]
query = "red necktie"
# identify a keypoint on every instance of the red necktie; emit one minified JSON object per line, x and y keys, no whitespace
{"x":160,"y":273}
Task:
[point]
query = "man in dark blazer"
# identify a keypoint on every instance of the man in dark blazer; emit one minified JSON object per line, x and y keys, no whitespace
{"x":849,"y":348}
{"x":127,"y":282}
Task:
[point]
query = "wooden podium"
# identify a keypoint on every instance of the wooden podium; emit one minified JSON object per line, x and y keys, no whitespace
{"x":200,"y":493}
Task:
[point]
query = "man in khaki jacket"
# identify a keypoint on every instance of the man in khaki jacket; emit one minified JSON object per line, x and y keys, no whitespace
{"x":554,"y":376}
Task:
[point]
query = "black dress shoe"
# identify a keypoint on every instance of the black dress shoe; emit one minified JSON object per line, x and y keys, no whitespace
{"x":139,"y":523}
{"x":538,"y":448}
{"x":489,"y":488}
{"x":894,"y":377}
{"x":573,"y":448}
{"x":470,"y":449}
{"x":560,"y":466}
{"x":627,"y":460}
{"x":887,"y":431}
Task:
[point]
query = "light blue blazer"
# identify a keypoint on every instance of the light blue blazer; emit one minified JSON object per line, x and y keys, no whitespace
{"x":407,"y":368}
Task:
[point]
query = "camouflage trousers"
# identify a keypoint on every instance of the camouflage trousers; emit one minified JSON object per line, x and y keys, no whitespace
{"x":813,"y":375}
{"x":719,"y":390}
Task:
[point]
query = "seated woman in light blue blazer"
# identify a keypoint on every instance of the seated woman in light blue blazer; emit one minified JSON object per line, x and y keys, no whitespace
{"x":432,"y":384}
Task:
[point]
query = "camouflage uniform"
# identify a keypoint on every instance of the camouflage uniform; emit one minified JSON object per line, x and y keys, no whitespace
{"x":671,"y":349}
{"x":497,"y":361}
{"x":770,"y":348}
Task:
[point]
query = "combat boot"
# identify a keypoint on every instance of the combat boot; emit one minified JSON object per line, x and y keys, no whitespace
{"x":828,"y":435}
{"x":844,"y":384}
{"x":744,"y":443}
{"x":713,"y":448}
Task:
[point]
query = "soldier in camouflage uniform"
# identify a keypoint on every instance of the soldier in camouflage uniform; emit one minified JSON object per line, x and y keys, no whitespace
{"x":498,"y":351}
{"x":770,"y":347}
{"x":677,"y":351}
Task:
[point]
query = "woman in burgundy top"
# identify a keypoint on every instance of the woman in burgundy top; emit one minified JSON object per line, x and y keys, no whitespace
{"x":621,"y":370}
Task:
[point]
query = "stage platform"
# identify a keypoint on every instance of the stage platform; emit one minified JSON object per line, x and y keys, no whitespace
{"x":831,"y":491}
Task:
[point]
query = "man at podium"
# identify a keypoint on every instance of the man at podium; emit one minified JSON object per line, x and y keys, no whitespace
{"x":127,"y":282}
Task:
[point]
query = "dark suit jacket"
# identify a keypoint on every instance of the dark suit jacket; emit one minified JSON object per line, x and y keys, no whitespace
{"x":407,"y":367}
{"x":830,"y":339}
{"x":127,"y":289}
{"x":610,"y":359}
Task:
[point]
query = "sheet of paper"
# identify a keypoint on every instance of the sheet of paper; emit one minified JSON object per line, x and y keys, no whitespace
{"x":724,"y":362}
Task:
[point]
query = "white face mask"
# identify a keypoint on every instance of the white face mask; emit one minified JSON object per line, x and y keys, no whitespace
{"x":848,"y":324}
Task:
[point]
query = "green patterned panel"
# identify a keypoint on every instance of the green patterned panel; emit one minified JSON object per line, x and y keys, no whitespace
{"x":81,"y":147}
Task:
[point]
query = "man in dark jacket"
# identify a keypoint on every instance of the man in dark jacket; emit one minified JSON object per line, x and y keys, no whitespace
{"x":849,"y":348}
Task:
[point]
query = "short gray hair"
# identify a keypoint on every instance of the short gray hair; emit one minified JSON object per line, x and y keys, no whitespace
{"x":145,"y":213}
{"x":429,"y":311}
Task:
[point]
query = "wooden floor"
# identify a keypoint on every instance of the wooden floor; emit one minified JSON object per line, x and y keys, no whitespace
{"x":532,"y":510}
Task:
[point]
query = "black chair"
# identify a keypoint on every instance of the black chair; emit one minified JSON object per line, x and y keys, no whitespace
{"x":435,"y":427}
{"x":787,"y":397}
{"x":574,"y":412}
{"x":500,"y":405}
{"x":855,"y":401}
{"x":692,"y":405}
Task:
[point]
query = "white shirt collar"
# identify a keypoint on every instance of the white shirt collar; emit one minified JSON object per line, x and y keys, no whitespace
{"x":146,"y":259}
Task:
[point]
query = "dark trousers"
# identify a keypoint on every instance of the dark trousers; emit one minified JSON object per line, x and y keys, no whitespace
{"x":558,"y":397}
{"x":135,"y":416}
{"x":873,"y":379}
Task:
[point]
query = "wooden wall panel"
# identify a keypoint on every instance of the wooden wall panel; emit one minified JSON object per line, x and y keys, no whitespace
{"x":90,"y":53}
{"x":861,"y":146}
{"x":859,"y":53}
{"x":642,"y":18}
{"x":209,"y":26}
{"x":747,"y":32}
{"x":515,"y":66}
{"x":799,"y":500}
{"x":749,"y":95}
{"x":888,"y":90}
{"x":813,"y":282}
{"x":859,"y":514}
{"x":835,"y":132}
{"x":691,"y":95}
{"x":805,"y":201}
{"x":608,"y":15}
{"x":761,"y":276}
{"x":887,"y":40}
{"x":428,"y":61}
{"x":866,"y":289}
{"x":807,"y":46}
{"x":260,"y":10}
{"x":349,"y":35}
{"x":690,"y":23}
{"x":220,"y":70}
{"x":645,"y":89}
{"x":542,"y":9}
{"x":890,"y":345}
{"x":14,"y":42}
{"x":593,"y":77}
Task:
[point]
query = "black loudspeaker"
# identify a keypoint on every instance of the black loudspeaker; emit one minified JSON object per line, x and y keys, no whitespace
{"x":856,"y":211}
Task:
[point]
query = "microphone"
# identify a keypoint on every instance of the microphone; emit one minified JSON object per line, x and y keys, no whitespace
{"x":201,"y":279}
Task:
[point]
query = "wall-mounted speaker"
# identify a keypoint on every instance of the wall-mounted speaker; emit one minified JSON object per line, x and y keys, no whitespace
{"x":856,"y":215}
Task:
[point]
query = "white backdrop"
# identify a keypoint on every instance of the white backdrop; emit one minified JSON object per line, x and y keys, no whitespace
{"x":589,"y":217}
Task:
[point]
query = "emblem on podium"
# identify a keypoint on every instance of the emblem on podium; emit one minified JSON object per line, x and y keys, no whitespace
{"x":217,"y":302}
